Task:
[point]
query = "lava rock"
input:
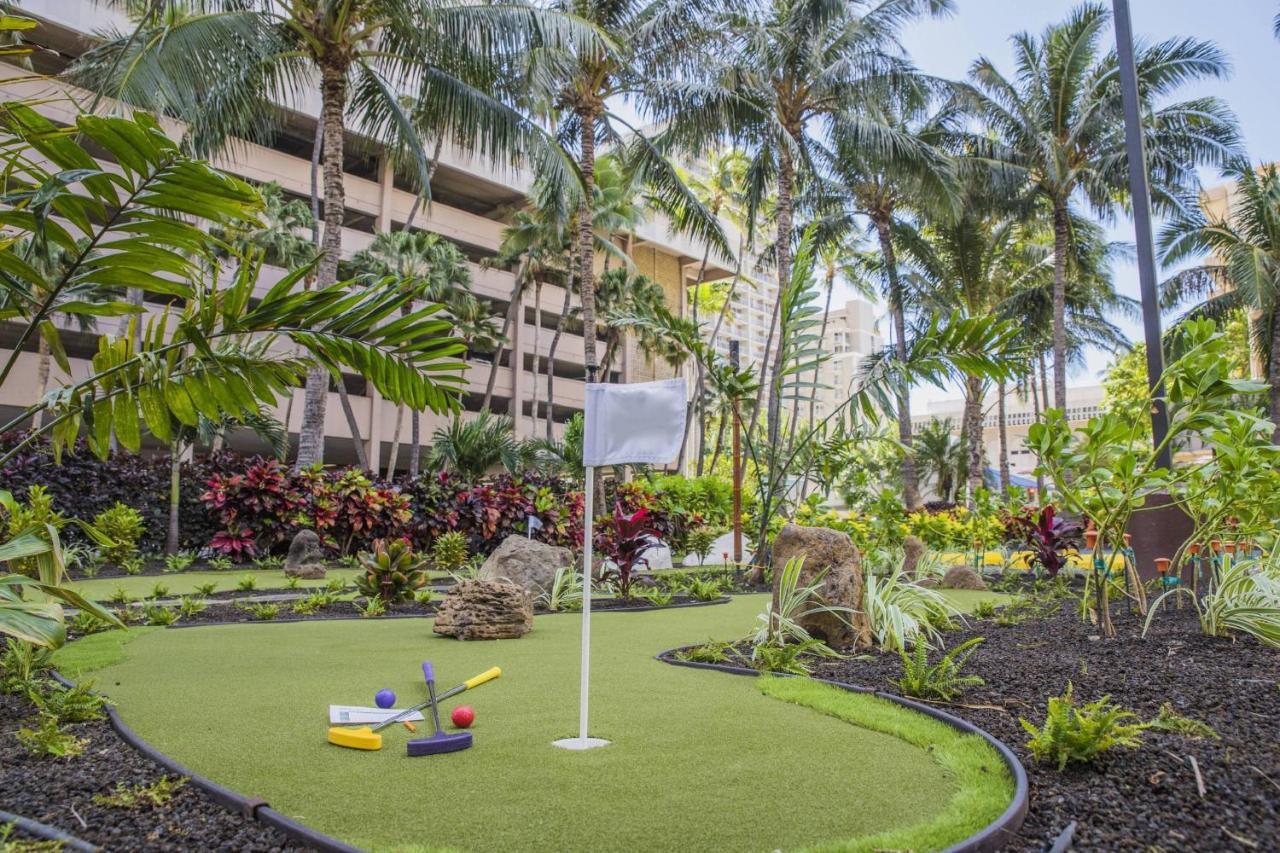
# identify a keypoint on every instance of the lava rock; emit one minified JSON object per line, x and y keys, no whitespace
{"x":963,"y":577}
{"x":833,"y":556}
{"x":306,"y":558}
{"x":526,"y":563}
{"x":485,"y":610}
{"x":913,"y":549}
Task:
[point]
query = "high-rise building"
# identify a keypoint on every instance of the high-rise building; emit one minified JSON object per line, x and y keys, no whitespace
{"x":850,"y":337}
{"x":471,"y":201}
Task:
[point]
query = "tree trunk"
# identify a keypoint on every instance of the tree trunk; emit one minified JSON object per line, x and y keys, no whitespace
{"x":910,"y":480}
{"x":973,"y":432}
{"x":333,"y":90}
{"x":715,"y":455}
{"x":1061,"y":236}
{"x":415,"y":443}
{"x":357,"y":441}
{"x":513,"y":307}
{"x":42,"y":377}
{"x":1003,"y":426}
{"x":701,"y":376}
{"x":1035,"y":409}
{"x":1273,"y":371}
{"x":786,"y":179}
{"x":587,"y":260}
{"x":537,"y":334}
{"x":551,"y":354}
{"x":395,"y":444}
{"x":1044,"y":384}
{"x":175,"y":496}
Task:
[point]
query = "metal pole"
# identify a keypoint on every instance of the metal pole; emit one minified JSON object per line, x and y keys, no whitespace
{"x":1140,"y":192}
{"x":737,"y":466}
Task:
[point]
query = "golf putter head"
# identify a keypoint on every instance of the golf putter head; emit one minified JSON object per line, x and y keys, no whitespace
{"x":362,"y":737}
{"x":439,"y":743}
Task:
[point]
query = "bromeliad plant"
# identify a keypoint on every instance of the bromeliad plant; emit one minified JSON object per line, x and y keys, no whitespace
{"x":1046,"y":534}
{"x":622,"y":540}
{"x":1106,"y":471}
{"x":392,"y":572}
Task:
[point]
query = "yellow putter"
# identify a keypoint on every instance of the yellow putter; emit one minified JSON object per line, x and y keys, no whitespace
{"x":367,"y":737}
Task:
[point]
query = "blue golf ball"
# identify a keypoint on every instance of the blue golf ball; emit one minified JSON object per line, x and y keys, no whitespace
{"x":385,"y":698}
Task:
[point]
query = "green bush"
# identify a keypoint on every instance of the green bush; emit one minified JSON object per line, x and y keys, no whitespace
{"x":179,"y":562}
{"x":1080,"y":733}
{"x":123,"y":525}
{"x":942,"y":680}
{"x":700,"y":540}
{"x":449,"y":552}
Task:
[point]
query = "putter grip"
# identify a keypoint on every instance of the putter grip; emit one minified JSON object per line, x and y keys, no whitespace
{"x":487,"y":675}
{"x":428,"y":672}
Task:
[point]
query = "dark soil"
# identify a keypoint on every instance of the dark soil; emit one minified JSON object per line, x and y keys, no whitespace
{"x":1144,"y":799}
{"x":59,"y":792}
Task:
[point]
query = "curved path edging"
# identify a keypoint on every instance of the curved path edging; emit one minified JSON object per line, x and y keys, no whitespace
{"x":998,"y":833}
{"x":48,"y":833}
{"x":252,"y":808}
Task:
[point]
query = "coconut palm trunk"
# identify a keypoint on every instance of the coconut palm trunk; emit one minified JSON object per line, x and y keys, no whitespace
{"x":537,"y":335}
{"x":1035,"y":410}
{"x":333,"y":89}
{"x":973,"y":432}
{"x":910,"y":480}
{"x":587,"y":258}
{"x":1273,"y":374}
{"x":1061,"y":237}
{"x":508,"y":323}
{"x":394,"y":456}
{"x":1003,"y":427}
{"x":551,"y":355}
{"x":701,"y":376}
{"x":786,"y":189}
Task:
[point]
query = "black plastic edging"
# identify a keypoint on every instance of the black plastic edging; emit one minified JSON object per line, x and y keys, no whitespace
{"x":250,"y":807}
{"x":49,"y":833}
{"x":997,"y":834}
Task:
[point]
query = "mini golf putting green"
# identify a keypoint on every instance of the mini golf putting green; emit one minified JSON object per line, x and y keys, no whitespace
{"x":185,"y":583}
{"x":699,"y":760}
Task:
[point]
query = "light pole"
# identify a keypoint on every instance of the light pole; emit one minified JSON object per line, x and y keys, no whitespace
{"x":1140,"y":192}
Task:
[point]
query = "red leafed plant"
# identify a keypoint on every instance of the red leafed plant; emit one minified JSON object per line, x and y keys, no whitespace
{"x":623,"y":539}
{"x":239,"y":543}
{"x":1046,"y":535}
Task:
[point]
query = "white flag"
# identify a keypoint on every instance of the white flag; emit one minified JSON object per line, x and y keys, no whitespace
{"x":641,"y":422}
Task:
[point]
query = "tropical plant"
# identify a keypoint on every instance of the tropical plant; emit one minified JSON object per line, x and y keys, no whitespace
{"x":1046,"y":534}
{"x":247,"y":583}
{"x":700,"y":540}
{"x":1059,"y":125}
{"x":78,"y":704}
{"x":622,"y":539}
{"x":268,"y":52}
{"x":565,"y":592}
{"x":1244,"y":271}
{"x":49,"y":740}
{"x":469,"y":447}
{"x":1080,"y":733}
{"x":940,"y":456}
{"x":260,"y":611}
{"x":179,"y":562}
{"x":941,"y":681}
{"x":780,"y":624}
{"x":449,"y":552}
{"x":392,"y":572}
{"x":788,"y":657}
{"x":703,"y":589}
{"x":710,"y":652}
{"x":1245,"y":599}
{"x":155,"y":794}
{"x":900,"y":612}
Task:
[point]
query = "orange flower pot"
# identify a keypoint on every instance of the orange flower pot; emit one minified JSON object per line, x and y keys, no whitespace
{"x":1162,"y":565}
{"x":1091,"y":539}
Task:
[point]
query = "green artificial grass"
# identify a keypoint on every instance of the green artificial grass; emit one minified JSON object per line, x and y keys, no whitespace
{"x":699,"y":760}
{"x":185,"y":583}
{"x":104,"y":650}
{"x":983,"y":787}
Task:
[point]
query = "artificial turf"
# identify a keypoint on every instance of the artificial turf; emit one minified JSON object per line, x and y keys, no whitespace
{"x":699,"y":760}
{"x":185,"y":583}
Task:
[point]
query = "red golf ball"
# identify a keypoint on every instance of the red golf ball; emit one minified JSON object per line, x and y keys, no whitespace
{"x":463,"y":716}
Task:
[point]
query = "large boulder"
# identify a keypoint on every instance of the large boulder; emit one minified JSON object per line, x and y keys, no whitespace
{"x":306,"y":557}
{"x":963,"y":577}
{"x":832,"y":555}
{"x":528,"y":564}
{"x":485,"y":610}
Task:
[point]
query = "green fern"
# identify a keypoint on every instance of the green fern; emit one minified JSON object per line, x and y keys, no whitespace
{"x":941,"y":681}
{"x":1080,"y":733}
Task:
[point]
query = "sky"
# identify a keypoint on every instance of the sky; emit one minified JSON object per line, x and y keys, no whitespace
{"x":1242,"y":28}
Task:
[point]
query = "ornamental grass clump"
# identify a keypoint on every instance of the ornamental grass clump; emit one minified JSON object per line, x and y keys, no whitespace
{"x":392,"y":572}
{"x":901,"y":612}
{"x":1245,"y":600}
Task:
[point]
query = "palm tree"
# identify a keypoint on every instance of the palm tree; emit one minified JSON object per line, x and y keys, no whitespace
{"x":1245,"y":270}
{"x":882,"y":185}
{"x":434,"y":270}
{"x":470,"y":448}
{"x":942,"y":457}
{"x":224,"y":66}
{"x":798,"y":68}
{"x":1059,"y":124}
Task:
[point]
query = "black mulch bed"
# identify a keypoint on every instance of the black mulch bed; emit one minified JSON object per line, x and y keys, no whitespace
{"x":59,"y":792}
{"x":1144,"y":799}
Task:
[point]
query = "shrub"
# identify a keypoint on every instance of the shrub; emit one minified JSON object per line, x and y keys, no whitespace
{"x":261,"y":611}
{"x":703,"y":589}
{"x":623,"y":539}
{"x":709,"y":652}
{"x":77,"y":704}
{"x":220,"y":564}
{"x":1245,"y":600}
{"x":942,"y":680}
{"x":1046,"y":534}
{"x":700,"y":540}
{"x":656,"y":596}
{"x":131,"y":565}
{"x":900,"y":612}
{"x":788,"y":657}
{"x":159,"y":615}
{"x":565,"y":592}
{"x":123,"y":525}
{"x":372,"y":607}
{"x":36,"y":514}
{"x":392,"y":572}
{"x":247,"y":583}
{"x":1080,"y":733}
{"x":159,"y":591}
{"x":179,"y":562}
{"x":189,"y":607}
{"x":449,"y":552}
{"x":794,"y":603}
{"x":205,"y":590}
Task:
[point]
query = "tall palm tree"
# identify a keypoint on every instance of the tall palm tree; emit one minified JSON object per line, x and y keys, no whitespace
{"x":883,"y":186}
{"x":434,"y":270}
{"x":1058,"y":122}
{"x":471,"y":447}
{"x":941,"y":456}
{"x":798,"y":68}
{"x":225,"y":66}
{"x":1244,"y":272}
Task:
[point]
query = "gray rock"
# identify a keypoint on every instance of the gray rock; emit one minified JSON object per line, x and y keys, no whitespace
{"x":485,"y":610}
{"x":306,"y":557}
{"x":526,"y":563}
{"x":658,"y":556}
{"x":832,"y":555}
{"x":963,"y":577}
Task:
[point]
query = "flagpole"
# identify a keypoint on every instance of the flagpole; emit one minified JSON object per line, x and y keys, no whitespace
{"x":582,"y":741}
